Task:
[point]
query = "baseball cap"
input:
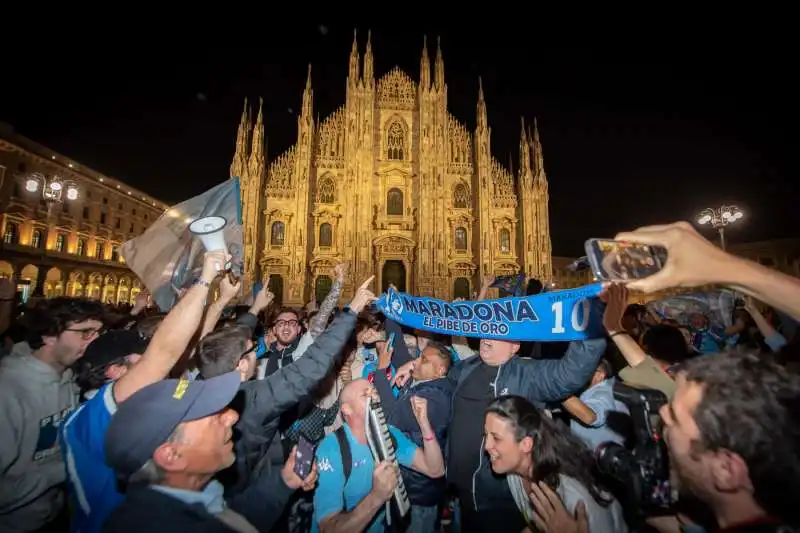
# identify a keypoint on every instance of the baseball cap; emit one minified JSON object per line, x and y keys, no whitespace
{"x":109,"y":347}
{"x":145,"y":421}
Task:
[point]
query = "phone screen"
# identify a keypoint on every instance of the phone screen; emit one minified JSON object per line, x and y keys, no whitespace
{"x":624,"y":261}
{"x":390,"y":341}
{"x":304,"y":457}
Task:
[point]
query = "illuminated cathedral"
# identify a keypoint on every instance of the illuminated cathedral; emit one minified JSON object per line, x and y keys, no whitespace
{"x":395,"y":185}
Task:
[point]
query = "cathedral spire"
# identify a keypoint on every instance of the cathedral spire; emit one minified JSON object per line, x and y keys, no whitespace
{"x":257,"y":150}
{"x":483,"y":123}
{"x":242,"y":149}
{"x":439,"y":67}
{"x":524,"y":152}
{"x":425,"y":66}
{"x":368,"y":72}
{"x":537,"y":156}
{"x":308,"y":97}
{"x":353,"y":74}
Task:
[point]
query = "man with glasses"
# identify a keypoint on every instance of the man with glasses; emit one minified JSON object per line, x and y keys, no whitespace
{"x":36,"y":394}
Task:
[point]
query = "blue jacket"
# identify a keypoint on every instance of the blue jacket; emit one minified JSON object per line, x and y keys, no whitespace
{"x":538,"y":380}
{"x":421,"y":489}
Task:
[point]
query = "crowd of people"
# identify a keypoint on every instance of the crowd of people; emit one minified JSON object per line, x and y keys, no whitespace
{"x":191,"y":420}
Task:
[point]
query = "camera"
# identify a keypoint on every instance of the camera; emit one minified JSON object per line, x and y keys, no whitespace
{"x":643,"y":468}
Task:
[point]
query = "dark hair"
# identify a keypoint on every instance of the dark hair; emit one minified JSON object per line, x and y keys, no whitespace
{"x":555,"y":449}
{"x":281,"y":310}
{"x":442,"y":352}
{"x":606,"y":367}
{"x":148,"y":325}
{"x":666,"y":343}
{"x":369,"y":320}
{"x":50,"y":318}
{"x":751,"y":407}
{"x":221,"y":350}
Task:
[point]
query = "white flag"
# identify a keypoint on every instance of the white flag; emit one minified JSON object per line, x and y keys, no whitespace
{"x":167,"y":257}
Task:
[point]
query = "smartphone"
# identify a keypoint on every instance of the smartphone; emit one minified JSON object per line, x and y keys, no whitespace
{"x":624,"y":261}
{"x":304,"y":457}
{"x":390,"y":340}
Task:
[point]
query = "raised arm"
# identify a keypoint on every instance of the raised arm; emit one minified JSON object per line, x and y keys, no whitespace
{"x":553,"y":380}
{"x":327,"y":306}
{"x":173,"y":336}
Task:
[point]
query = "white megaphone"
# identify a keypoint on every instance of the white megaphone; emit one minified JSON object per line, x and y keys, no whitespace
{"x":210,"y":231}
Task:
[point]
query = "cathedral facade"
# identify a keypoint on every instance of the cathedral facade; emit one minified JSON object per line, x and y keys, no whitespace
{"x":395,"y":185}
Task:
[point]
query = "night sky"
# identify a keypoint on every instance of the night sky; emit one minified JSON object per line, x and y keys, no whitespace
{"x":635,"y":131}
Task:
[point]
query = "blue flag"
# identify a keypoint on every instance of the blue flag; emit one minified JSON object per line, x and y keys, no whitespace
{"x":167,"y":257}
{"x":569,"y":315}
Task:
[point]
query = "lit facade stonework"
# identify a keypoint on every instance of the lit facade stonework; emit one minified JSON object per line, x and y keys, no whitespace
{"x":394,"y":184}
{"x":72,"y":248}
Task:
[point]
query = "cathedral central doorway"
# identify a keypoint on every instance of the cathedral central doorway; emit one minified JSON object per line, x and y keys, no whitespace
{"x":394,"y":273}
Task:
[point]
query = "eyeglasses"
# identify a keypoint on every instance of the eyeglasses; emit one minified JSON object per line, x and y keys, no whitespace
{"x":289,"y":323}
{"x":87,"y":333}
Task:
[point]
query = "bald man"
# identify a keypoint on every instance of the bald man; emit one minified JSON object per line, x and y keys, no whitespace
{"x":356,"y":503}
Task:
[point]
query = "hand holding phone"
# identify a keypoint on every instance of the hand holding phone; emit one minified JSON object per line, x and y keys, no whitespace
{"x":304,"y":457}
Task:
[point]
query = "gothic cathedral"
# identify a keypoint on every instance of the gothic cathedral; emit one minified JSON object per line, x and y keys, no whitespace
{"x":395,"y":185}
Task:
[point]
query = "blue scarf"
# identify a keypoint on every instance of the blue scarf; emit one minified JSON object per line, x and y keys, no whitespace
{"x":569,"y":315}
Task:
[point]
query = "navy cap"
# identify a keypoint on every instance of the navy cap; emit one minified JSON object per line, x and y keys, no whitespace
{"x":146,"y":420}
{"x":110,"y":347}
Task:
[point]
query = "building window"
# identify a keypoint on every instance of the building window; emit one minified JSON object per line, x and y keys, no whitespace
{"x":37,"y":240}
{"x":277,"y":234}
{"x":327,"y":191}
{"x":461,"y":196}
{"x":102,"y":218}
{"x":80,"y":249}
{"x":461,"y":239}
{"x":98,"y":250}
{"x":119,"y":223}
{"x":115,"y":253}
{"x":395,"y":142}
{"x":325,"y":235}
{"x":85,"y":212}
{"x":505,"y":241}
{"x":11,"y":233}
{"x":60,"y":242}
{"x":394,"y":202}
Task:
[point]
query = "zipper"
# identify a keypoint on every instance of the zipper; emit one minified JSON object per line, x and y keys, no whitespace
{"x":483,"y":441}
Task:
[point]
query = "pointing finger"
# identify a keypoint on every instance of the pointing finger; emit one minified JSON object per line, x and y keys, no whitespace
{"x":367,"y":282}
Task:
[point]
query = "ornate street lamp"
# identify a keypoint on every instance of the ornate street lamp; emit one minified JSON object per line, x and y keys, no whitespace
{"x":55,"y":190}
{"x":719,"y":218}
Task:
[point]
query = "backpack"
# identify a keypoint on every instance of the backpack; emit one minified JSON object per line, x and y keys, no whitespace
{"x":347,"y":455}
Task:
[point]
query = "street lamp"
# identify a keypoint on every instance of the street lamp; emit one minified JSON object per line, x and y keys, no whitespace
{"x":55,"y":190}
{"x":719,"y":218}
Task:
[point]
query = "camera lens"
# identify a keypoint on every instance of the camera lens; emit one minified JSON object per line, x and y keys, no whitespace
{"x":613,"y":460}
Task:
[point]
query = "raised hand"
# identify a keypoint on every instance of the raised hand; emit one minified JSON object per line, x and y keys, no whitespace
{"x":340,"y":271}
{"x":420,"y":408}
{"x":214,"y":265}
{"x":692,"y":260}
{"x":616,"y":296}
{"x":363,"y":296}
{"x":227,"y":289}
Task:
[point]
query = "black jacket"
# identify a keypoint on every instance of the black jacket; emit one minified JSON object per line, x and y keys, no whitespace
{"x":423,"y":490}
{"x":538,"y":380}
{"x":150,"y":511}
{"x":264,"y":401}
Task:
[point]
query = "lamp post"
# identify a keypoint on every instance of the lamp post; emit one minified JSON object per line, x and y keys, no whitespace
{"x":720,"y":217}
{"x":54,"y":190}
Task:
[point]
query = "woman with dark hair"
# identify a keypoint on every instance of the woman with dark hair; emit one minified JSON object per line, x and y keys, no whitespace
{"x":529,"y":447}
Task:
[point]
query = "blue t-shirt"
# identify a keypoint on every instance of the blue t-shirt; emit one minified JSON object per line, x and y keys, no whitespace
{"x":92,"y":485}
{"x":332,"y":495}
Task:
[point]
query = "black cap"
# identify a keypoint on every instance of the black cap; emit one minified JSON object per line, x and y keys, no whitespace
{"x":145,"y":421}
{"x":109,"y":347}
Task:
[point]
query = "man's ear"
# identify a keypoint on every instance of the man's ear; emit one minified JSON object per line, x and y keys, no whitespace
{"x":49,"y":340}
{"x":243,"y":365}
{"x":729,"y":472}
{"x":168,"y":457}
{"x":514,"y":347}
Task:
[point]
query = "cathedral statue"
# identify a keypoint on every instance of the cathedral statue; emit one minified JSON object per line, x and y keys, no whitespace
{"x":376,"y":193}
